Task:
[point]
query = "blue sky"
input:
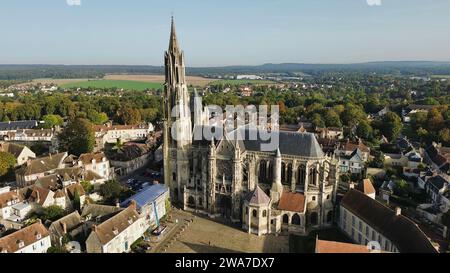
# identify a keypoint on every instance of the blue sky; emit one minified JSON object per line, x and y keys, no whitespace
{"x":224,"y":32}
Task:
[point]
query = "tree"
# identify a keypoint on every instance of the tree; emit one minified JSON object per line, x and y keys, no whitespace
{"x":422,"y":133}
{"x":435,"y":120}
{"x":111,"y":190}
{"x":55,"y":249}
{"x":401,"y":188}
{"x":444,"y":135}
{"x":332,"y":118}
{"x":7,"y":163}
{"x":78,"y":137}
{"x":353,"y":114}
{"x":50,"y":121}
{"x":317,"y":120}
{"x":391,"y":125}
{"x":119,"y":146}
{"x":364,"y":130}
{"x":378,"y":161}
{"x":96,"y":117}
{"x":87,"y":186}
{"x":52,"y":213}
{"x":129,"y":116}
{"x":76,"y":201}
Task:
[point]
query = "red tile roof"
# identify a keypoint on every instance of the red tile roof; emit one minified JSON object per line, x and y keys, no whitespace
{"x":337,"y":247}
{"x":366,"y":187}
{"x":27,"y":236}
{"x":291,"y":201}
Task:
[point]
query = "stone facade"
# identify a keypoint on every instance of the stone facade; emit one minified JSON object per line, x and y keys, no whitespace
{"x":216,"y":176}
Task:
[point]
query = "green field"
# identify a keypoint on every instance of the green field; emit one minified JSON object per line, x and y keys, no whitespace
{"x":441,"y":77}
{"x":127,"y":85}
{"x":241,"y":82}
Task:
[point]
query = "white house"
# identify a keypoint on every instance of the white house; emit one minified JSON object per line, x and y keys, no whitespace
{"x":31,"y":239}
{"x":97,"y":163}
{"x":38,"y":168}
{"x":21,"y":153}
{"x":151,"y":204}
{"x":111,"y":133}
{"x":118,"y":233}
{"x":13,"y":207}
{"x":366,"y":220}
{"x":353,"y":163}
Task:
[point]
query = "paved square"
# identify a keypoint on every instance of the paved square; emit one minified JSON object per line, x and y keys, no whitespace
{"x":208,"y":236}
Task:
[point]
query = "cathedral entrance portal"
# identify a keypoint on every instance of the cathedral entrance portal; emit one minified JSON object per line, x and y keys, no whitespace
{"x":225,"y":206}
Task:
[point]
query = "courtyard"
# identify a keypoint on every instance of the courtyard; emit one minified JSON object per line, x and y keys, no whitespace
{"x":204,"y":235}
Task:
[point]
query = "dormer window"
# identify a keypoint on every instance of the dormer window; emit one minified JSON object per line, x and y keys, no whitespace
{"x":115,"y":231}
{"x":21,"y":243}
{"x":130,"y":221}
{"x":38,"y":236}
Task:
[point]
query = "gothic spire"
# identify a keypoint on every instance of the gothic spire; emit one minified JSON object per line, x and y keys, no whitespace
{"x":173,"y":44}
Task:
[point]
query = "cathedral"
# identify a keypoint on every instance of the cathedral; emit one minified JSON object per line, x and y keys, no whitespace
{"x":291,"y":189}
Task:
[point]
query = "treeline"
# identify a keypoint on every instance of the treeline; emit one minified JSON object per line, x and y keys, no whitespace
{"x":131,"y":108}
{"x":349,"y":103}
{"x":8,"y":72}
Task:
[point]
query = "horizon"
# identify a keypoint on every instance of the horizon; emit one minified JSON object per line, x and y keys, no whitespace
{"x":235,"y":65}
{"x":218,"y":34}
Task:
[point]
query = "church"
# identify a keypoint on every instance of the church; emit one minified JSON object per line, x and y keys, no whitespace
{"x":291,"y":189}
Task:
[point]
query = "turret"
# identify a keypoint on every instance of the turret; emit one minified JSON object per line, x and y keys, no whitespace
{"x":277,"y":187}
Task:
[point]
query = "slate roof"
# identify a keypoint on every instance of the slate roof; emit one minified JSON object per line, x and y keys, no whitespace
{"x":12,"y":148}
{"x":18,"y":125}
{"x":438,"y":182}
{"x":50,"y":182}
{"x":146,"y":196}
{"x":258,"y":197}
{"x":71,"y":221}
{"x":42,"y":165}
{"x":119,"y":222}
{"x":290,"y":143}
{"x":355,"y":153}
{"x":95,"y":210}
{"x":400,"y":230}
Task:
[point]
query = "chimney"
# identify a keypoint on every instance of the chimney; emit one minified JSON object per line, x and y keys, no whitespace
{"x":38,"y":197}
{"x":94,"y":228}
{"x":398,"y":211}
{"x":64,"y":227}
{"x":155,"y":182}
{"x":133,"y":204}
{"x":117,"y":204}
{"x":39,"y":221}
{"x":351,"y":186}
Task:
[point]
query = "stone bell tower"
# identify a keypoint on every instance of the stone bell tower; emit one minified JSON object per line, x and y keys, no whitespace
{"x":177,"y":120}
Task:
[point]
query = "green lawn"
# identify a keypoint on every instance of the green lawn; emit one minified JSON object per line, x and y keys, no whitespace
{"x":241,"y":82}
{"x":307,"y":244}
{"x":127,"y":85}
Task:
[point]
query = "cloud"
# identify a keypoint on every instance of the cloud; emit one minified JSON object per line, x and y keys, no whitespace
{"x":374,"y":2}
{"x":73,"y":2}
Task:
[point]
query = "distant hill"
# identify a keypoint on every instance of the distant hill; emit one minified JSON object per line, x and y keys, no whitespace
{"x":419,"y":68}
